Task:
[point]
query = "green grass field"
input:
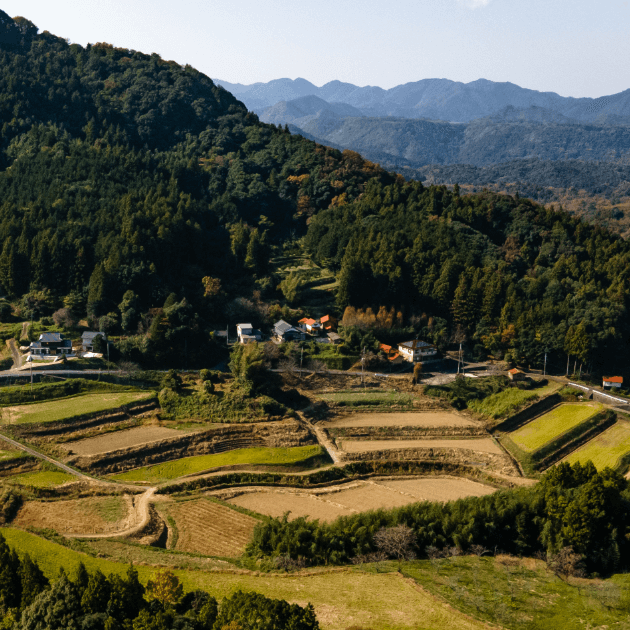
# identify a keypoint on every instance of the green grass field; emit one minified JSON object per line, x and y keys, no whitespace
{"x":41,"y":479}
{"x":352,"y":597}
{"x":605,"y":449}
{"x":191,"y":465}
{"x":355,"y":398}
{"x":509,"y":400}
{"x":8,"y":454}
{"x":59,"y":409}
{"x":539,"y":432}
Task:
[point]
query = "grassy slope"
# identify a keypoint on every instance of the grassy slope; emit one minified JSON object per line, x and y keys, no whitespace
{"x":509,"y":400}
{"x":523,"y":595}
{"x":551,"y":425}
{"x":68,"y":407}
{"x":8,"y":454}
{"x":379,"y":601}
{"x":377,"y":398}
{"x":41,"y":479}
{"x":199,"y":463}
{"x":605,"y":449}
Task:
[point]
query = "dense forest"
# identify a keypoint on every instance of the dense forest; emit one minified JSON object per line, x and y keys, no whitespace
{"x":512,"y":278}
{"x":93,"y":601}
{"x":572,"y":507}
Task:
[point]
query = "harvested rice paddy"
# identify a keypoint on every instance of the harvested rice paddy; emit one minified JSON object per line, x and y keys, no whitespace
{"x":429,"y":419}
{"x":482,"y":445}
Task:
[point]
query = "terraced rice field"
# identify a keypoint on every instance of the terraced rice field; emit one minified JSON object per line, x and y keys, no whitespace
{"x":210,"y":528}
{"x":546,"y":428}
{"x":605,"y":449}
{"x":93,"y":515}
{"x":121,"y":439}
{"x":427,"y":419}
{"x":370,"y":397}
{"x":327,"y":505}
{"x":41,"y":479}
{"x":53,"y":410}
{"x":482,"y":445}
{"x":199,"y":463}
{"x":6,"y":455}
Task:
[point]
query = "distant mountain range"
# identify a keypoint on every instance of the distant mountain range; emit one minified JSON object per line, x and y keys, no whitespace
{"x":438,"y":99}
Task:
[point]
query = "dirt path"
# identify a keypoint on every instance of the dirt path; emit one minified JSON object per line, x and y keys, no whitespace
{"x":15,"y":353}
{"x":323,"y":440}
{"x":142,"y":517}
{"x":25,"y":328}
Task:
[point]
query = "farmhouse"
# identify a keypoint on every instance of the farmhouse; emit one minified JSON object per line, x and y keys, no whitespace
{"x":329,"y":323}
{"x":393,"y":356}
{"x":51,"y":344}
{"x":517,"y":375}
{"x":416,"y":350}
{"x":612,"y":381}
{"x":283,"y":331}
{"x":334,"y":338}
{"x":87,"y":340}
{"x":247,"y":334}
{"x":310,"y":326}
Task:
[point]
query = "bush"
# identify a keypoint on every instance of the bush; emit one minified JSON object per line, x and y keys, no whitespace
{"x":172,"y":380}
{"x":6,"y":312}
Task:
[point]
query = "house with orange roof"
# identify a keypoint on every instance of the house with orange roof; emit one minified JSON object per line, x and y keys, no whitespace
{"x":517,"y":375}
{"x":612,"y":381}
{"x":393,"y":356}
{"x":329,"y":323}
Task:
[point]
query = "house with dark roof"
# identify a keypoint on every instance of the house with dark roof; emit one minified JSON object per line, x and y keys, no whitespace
{"x":416,"y":350}
{"x":87,"y":340}
{"x":283,"y":331}
{"x":51,"y":344}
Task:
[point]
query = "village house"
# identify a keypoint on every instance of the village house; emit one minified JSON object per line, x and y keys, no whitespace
{"x":416,"y":350}
{"x":329,"y":323}
{"x":311,"y":326}
{"x":51,"y":344}
{"x":393,"y":356}
{"x":87,"y":340}
{"x":247,"y":334}
{"x":612,"y":381}
{"x":517,"y":375}
{"x":334,"y":338}
{"x":283,"y":331}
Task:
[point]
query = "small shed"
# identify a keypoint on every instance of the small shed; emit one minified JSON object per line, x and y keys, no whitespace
{"x":517,"y":375}
{"x":612,"y":381}
{"x":334,"y":338}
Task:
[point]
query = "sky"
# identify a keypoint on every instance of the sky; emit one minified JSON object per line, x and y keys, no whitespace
{"x":572,"y":47}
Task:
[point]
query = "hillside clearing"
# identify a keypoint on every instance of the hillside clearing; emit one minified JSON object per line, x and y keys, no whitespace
{"x":509,"y":400}
{"x":68,"y":407}
{"x":551,"y":425}
{"x":199,"y":463}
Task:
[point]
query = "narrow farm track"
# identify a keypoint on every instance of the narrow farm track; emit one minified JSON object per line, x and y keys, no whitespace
{"x":52,"y":461}
{"x":15,"y":353}
{"x":142,"y":516}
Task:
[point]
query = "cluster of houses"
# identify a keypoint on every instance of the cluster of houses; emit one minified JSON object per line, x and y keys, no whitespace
{"x":324,"y":330}
{"x":53,"y":345}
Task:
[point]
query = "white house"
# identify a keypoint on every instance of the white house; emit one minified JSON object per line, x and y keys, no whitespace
{"x":612,"y":381}
{"x":246,"y":333}
{"x":416,"y":350}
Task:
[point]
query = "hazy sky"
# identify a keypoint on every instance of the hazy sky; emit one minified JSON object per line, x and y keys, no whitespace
{"x":573,"y":47}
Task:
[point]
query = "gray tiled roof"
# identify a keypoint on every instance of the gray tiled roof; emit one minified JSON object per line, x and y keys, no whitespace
{"x":416,"y":344}
{"x":51,"y":337}
{"x":89,"y":336}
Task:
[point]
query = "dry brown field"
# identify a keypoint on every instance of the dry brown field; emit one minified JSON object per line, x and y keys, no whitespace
{"x":94,"y":515}
{"x":327,"y":505}
{"x":438,"y":489}
{"x":121,"y":439}
{"x":211,"y":529}
{"x":276,"y":503}
{"x":482,"y":445}
{"x":429,"y":419}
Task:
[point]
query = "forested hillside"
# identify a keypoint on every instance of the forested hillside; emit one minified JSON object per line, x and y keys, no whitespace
{"x":512,"y":278}
{"x":122,"y":171}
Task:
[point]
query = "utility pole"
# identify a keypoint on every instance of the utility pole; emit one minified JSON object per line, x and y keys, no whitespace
{"x":545,"y":365}
{"x":362,"y":363}
{"x":301,"y":359}
{"x":568,"y":358}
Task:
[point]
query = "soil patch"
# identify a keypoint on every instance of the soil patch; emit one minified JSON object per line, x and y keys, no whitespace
{"x":277,"y":503}
{"x":93,"y":515}
{"x":483,"y":445}
{"x":121,"y":439}
{"x":427,"y":419}
{"x":209,"y":528}
{"x":439,"y":489}
{"x":327,"y":505}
